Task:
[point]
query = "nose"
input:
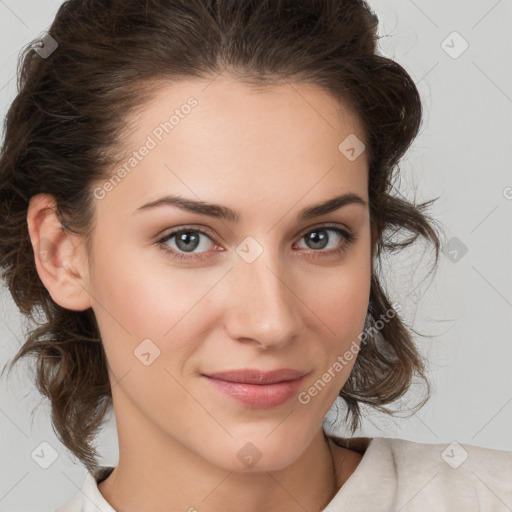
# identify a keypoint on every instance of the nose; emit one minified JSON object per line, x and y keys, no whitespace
{"x":264,"y":306}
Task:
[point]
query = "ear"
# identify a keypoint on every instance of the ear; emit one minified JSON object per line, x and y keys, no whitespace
{"x":60,"y":256}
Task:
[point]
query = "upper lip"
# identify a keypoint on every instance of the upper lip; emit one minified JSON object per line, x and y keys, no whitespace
{"x":249,"y":376}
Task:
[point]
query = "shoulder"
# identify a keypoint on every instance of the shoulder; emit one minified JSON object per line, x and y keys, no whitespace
{"x":74,"y":504}
{"x":89,"y":497}
{"x":453,"y":473}
{"x":425,"y":475}
{"x":449,"y":459}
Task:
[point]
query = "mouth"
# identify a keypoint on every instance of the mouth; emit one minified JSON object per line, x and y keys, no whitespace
{"x":248,"y":376}
{"x":257,"y":389}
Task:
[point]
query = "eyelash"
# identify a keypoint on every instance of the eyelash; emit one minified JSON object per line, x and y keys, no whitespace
{"x":349,"y":239}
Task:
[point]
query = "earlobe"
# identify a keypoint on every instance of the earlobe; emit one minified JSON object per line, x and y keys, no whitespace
{"x":59,"y":256}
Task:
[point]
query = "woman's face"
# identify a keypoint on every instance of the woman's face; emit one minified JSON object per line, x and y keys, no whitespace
{"x":276,"y":288}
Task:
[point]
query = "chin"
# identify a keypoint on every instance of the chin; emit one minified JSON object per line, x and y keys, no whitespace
{"x":258,"y":452}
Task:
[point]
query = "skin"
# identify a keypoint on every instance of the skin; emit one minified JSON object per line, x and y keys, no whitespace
{"x":267,"y":154}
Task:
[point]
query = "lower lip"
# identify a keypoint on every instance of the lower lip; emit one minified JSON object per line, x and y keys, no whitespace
{"x":258,"y":396}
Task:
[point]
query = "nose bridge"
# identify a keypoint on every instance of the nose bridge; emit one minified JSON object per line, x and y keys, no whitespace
{"x":265,"y":308}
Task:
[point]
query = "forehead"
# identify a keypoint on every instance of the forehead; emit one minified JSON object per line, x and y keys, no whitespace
{"x":228,"y":102}
{"x":209,"y":138}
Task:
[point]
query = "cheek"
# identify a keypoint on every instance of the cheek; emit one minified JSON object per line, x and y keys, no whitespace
{"x":133,"y":296}
{"x":340,"y":297}
{"x":147,"y":311}
{"x":343,"y":309}
{"x":340,"y":304}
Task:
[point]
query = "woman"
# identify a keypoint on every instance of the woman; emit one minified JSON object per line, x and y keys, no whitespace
{"x":196,"y":195}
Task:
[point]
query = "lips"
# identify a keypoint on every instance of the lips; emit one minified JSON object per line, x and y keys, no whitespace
{"x":257,"y":389}
{"x":257,"y":376}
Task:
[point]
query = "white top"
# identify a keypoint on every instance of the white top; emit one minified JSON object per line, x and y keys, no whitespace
{"x":394,"y":474}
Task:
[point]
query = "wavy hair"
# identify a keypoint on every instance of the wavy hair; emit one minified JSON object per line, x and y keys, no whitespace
{"x":64,"y":131}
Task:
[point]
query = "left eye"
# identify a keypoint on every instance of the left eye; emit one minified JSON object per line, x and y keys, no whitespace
{"x":187,"y":240}
{"x":319,"y":237}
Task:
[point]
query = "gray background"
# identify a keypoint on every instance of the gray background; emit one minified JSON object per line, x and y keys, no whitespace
{"x":463,"y":154}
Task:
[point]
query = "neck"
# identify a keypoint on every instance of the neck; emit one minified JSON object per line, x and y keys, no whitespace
{"x":161,"y":474}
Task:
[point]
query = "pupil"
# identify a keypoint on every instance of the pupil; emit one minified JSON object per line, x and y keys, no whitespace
{"x":184,"y":238}
{"x":318,"y":239}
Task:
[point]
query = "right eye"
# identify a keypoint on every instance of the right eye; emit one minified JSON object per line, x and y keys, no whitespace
{"x":185,"y":240}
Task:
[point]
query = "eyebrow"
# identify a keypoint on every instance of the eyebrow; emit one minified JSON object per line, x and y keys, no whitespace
{"x":223,"y":212}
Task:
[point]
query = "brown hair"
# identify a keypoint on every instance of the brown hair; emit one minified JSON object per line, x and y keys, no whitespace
{"x":64,"y":131}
